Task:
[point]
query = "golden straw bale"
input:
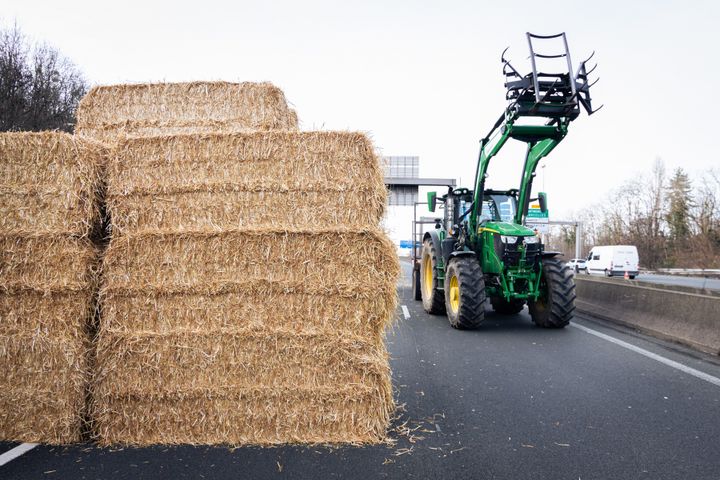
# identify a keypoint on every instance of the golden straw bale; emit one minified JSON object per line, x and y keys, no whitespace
{"x":234,"y":358}
{"x":46,"y":315}
{"x":49,"y":183}
{"x":352,"y":413}
{"x":271,"y":305}
{"x":218,"y":211}
{"x":47,"y":263}
{"x":29,"y":415}
{"x":209,"y":260}
{"x":174,"y":108}
{"x":276,"y":179}
{"x":43,"y":387}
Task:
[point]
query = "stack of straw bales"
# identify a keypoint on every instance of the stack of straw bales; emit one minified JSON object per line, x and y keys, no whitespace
{"x":48,"y":208}
{"x":172,"y":108}
{"x":246,"y":289}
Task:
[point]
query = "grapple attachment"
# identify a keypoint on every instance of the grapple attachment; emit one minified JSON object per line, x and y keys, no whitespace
{"x":547,"y":93}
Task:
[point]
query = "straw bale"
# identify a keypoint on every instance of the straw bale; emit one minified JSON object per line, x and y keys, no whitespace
{"x":173,"y":108}
{"x":206,"y":261}
{"x":300,"y":308}
{"x":222,"y":210}
{"x":42,"y":363}
{"x":48,"y":183}
{"x":276,"y":179}
{"x":41,"y":416}
{"x":253,"y":416}
{"x":47,"y":263}
{"x":234,"y":358}
{"x":43,"y":386}
{"x":46,"y":315}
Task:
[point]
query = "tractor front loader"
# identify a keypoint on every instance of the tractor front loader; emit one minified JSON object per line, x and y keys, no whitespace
{"x":480,"y":248}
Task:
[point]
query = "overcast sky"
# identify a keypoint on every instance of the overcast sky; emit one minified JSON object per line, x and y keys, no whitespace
{"x":424,"y":78}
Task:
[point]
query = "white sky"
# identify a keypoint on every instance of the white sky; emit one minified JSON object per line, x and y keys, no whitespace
{"x":423,"y":78}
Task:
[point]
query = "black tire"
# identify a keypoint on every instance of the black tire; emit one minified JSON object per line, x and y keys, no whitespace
{"x":432,"y":297}
{"x":608,"y":273}
{"x":470,"y":302}
{"x":632,"y":277}
{"x":555,"y":307}
{"x":500,"y":305}
{"x":416,"y":290}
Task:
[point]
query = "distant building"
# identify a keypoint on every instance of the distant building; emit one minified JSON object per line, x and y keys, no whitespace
{"x":402,"y":177}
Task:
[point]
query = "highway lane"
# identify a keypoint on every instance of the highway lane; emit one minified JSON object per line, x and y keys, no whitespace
{"x":508,"y":401}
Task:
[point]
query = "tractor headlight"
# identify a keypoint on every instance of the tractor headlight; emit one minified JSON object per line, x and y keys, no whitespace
{"x":532,"y":240}
{"x":508,"y":239}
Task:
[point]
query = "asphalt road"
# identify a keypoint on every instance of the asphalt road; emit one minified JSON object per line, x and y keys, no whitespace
{"x":508,"y":401}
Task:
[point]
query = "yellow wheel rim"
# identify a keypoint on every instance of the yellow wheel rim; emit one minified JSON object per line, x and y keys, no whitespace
{"x":454,"y":294}
{"x":428,"y":274}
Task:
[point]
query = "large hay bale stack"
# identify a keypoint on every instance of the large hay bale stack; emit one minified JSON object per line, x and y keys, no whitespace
{"x":48,"y":208}
{"x":172,"y":108}
{"x":248,"y":305}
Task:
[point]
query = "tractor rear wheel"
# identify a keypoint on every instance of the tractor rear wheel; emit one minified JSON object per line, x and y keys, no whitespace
{"x":556,"y":303}
{"x":500,"y":305}
{"x":432,"y":297}
{"x":416,"y":288}
{"x":464,"y":293}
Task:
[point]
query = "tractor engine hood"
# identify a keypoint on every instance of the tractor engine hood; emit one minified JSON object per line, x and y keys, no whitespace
{"x":508,"y":229}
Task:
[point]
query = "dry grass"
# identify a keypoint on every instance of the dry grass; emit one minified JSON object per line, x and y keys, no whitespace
{"x":228,"y":181}
{"x":49,"y":189}
{"x":107,"y":112}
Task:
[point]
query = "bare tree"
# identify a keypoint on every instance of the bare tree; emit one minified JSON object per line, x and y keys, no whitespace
{"x":39,"y":88}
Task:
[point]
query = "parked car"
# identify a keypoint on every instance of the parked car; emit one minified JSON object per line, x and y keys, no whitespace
{"x":577,"y":264}
{"x":612,"y":260}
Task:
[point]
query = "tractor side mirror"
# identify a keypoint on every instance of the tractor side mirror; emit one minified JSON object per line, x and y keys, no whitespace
{"x":542,"y":199}
{"x":432,"y":200}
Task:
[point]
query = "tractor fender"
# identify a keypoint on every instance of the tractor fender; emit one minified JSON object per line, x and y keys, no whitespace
{"x":435,"y":237}
{"x":552,"y":254}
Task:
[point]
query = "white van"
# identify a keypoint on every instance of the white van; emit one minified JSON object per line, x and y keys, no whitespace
{"x":613,"y":260}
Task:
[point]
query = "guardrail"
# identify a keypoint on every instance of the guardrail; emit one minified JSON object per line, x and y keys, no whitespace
{"x":690,"y":316}
{"x":689,"y":272}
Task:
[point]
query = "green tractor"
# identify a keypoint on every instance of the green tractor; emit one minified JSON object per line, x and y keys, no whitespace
{"x":480,"y":248}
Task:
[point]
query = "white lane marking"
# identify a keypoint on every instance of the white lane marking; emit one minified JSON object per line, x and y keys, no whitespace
{"x":406,"y":312}
{"x":654,"y":356}
{"x":13,"y":453}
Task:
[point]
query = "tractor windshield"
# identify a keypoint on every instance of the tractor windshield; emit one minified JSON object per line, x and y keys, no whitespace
{"x":498,"y":208}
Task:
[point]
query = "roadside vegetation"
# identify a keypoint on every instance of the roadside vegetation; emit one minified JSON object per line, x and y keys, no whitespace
{"x":672,"y":218}
{"x":39,"y":87}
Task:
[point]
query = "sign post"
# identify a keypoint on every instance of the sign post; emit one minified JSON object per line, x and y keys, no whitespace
{"x":537,"y":219}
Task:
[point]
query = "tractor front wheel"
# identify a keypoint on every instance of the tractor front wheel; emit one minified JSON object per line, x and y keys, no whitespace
{"x":464,"y":293}
{"x":556,"y":303}
{"x":431,"y":295}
